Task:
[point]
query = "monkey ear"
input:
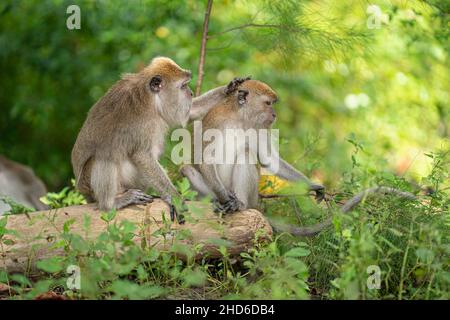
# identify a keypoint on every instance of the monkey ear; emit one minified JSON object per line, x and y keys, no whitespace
{"x":155,"y":84}
{"x":242,"y":96}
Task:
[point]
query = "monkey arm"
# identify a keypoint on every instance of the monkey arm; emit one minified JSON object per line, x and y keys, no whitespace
{"x":202,"y":104}
{"x":288,"y":172}
{"x":196,"y":180}
{"x":284,"y":170}
{"x":227,"y":199}
{"x":155,"y":176}
{"x":278,"y":166}
{"x":212,"y":179}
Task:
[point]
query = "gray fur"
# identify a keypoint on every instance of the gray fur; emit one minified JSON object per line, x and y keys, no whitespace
{"x":19,"y":183}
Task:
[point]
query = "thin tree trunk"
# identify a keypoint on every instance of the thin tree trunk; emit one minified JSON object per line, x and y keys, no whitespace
{"x":201,"y":63}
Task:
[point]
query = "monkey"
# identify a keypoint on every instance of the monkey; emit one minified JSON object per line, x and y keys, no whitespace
{"x":20,"y":183}
{"x":116,"y":154}
{"x":235,"y":186}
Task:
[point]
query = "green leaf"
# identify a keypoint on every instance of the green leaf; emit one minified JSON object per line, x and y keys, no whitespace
{"x":109,"y":216}
{"x":194,"y":278}
{"x":141,"y":273}
{"x":128,"y":289}
{"x":67,"y":224}
{"x":8,"y":242}
{"x":297,"y":252}
{"x":128,"y":227}
{"x":51,"y":265}
{"x":3,"y":222}
{"x":78,"y":244}
{"x":183,"y":185}
{"x":21,"y":279}
{"x":182,"y":249}
{"x":3,"y":276}
{"x":86,"y":222}
{"x":425,"y":255}
{"x":395,"y":232}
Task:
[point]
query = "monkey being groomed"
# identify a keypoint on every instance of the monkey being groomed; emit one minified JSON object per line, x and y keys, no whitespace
{"x":234,"y":186}
{"x":116,"y":155}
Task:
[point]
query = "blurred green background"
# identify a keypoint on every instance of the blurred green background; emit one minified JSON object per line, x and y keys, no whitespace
{"x":374,"y":73}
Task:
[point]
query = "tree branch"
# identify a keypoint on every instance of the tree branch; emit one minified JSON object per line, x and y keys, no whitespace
{"x":247,"y":25}
{"x":201,"y":62}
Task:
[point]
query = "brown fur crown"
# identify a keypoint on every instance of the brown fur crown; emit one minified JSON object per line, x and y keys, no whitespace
{"x":259,"y":88}
{"x":165,"y":67}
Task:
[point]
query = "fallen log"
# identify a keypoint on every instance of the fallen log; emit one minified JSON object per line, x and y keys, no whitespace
{"x":35,"y":234}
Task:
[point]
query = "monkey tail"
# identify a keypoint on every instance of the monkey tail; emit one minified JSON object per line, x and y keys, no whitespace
{"x":313,"y":230}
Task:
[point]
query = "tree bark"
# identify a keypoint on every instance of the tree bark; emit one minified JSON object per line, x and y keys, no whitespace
{"x":37,"y":232}
{"x":201,"y":62}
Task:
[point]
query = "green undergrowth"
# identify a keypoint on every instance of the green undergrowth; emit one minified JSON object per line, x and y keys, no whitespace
{"x":387,"y":248}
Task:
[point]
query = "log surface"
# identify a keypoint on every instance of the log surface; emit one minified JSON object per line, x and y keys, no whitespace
{"x":37,"y":232}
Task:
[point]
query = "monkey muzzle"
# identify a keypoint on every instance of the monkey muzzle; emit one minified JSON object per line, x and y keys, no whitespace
{"x":271,"y":117}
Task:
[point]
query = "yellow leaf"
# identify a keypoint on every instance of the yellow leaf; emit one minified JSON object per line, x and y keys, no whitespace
{"x":271,"y":184}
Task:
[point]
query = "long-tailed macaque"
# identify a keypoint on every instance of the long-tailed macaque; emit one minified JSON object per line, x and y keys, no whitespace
{"x":19,"y":183}
{"x":116,"y":155}
{"x":235,"y":185}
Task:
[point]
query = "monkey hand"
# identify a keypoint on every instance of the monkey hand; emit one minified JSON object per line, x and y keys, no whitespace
{"x":232,"y":204}
{"x":319,"y":190}
{"x":234,"y":84}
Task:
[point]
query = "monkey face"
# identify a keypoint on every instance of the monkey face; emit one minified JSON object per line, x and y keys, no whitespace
{"x":256,"y":100}
{"x":258,"y":110}
{"x":169,"y":84}
{"x":267,"y":113}
{"x":179,"y":98}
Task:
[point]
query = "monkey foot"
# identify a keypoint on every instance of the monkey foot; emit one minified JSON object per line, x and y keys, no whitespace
{"x":132,"y":196}
{"x":233,"y":204}
{"x":319,"y":190}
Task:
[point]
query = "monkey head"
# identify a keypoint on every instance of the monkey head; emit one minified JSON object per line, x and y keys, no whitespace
{"x":168,"y":83}
{"x":256,"y":100}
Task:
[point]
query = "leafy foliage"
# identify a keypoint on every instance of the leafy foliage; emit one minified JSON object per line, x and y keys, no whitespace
{"x":15,"y":207}
{"x":65,"y":198}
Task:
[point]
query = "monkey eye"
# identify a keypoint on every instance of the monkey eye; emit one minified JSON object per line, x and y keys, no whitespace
{"x":185,"y":84}
{"x":268,"y":103}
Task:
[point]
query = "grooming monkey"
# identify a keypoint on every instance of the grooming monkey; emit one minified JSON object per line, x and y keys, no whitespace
{"x":116,"y":155}
{"x":235,"y":185}
{"x":19,"y":183}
